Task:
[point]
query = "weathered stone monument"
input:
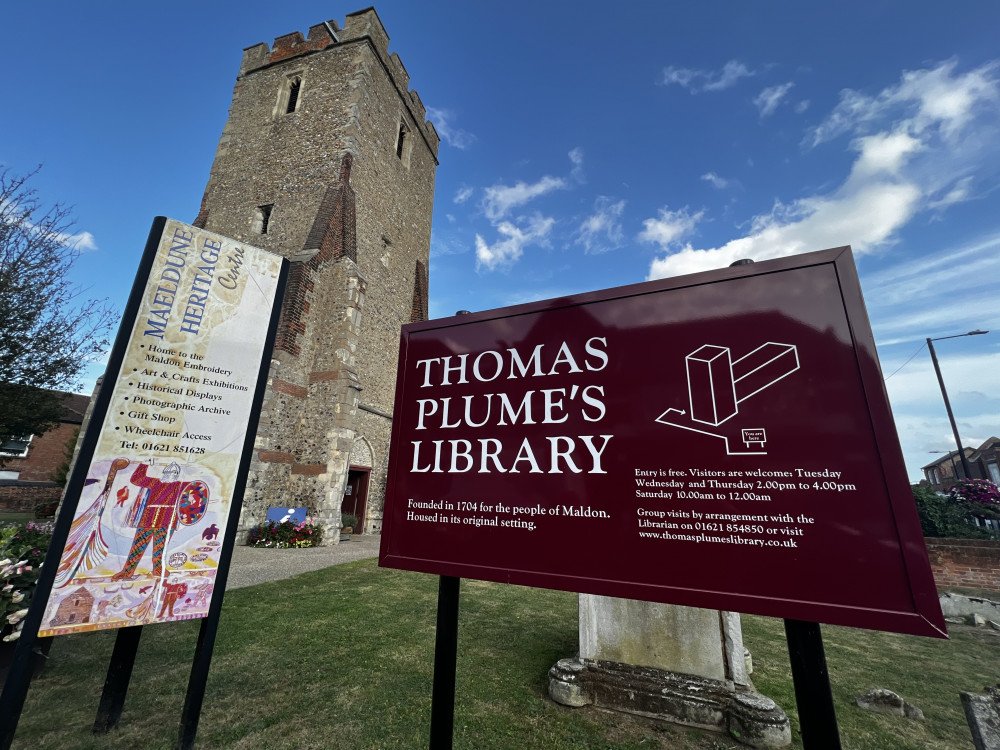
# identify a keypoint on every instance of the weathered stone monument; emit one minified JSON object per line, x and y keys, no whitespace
{"x":983,"y":714}
{"x":680,"y":664}
{"x":327,"y":159}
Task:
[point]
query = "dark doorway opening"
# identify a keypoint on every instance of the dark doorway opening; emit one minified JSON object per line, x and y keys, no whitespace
{"x":356,"y":496}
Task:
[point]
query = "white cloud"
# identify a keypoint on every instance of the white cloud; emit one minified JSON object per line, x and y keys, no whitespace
{"x":706,"y":80}
{"x":669,"y":227}
{"x":960,"y":191}
{"x":463,"y":194}
{"x":927,"y":98}
{"x":576,"y":156}
{"x":802,"y":106}
{"x":913,"y":299}
{"x":715,"y":180}
{"x":456,"y":137}
{"x":768,"y":100}
{"x":81,"y":242}
{"x":446,"y":244}
{"x":883,"y":153}
{"x":732,"y":71}
{"x":506,"y":251}
{"x":865,"y":218}
{"x":602,"y":230}
{"x":500,"y":199}
{"x":900,"y":170}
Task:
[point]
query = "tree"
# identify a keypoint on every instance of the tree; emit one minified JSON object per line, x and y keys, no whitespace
{"x":48,"y":329}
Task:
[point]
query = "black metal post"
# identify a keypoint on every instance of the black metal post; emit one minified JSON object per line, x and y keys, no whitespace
{"x":195,"y":696}
{"x":109,"y":710}
{"x":445,"y":659}
{"x":202,"y":662}
{"x":947,"y":406}
{"x":817,"y":717}
{"x":944,"y":393}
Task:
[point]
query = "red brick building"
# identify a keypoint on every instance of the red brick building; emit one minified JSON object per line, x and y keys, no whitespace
{"x":984,"y":463}
{"x":26,"y":475}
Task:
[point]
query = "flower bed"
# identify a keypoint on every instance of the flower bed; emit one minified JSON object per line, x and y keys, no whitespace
{"x":22,"y":549}
{"x":980,"y":492}
{"x":286,"y":535}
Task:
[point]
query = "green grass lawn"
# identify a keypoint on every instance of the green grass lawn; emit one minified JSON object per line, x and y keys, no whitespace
{"x":343,"y":658}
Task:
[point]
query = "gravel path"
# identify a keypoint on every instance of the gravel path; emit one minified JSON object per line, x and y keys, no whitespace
{"x":251,"y":566}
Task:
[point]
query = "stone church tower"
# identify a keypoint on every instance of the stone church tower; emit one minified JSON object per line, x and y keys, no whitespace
{"x":327,"y":160}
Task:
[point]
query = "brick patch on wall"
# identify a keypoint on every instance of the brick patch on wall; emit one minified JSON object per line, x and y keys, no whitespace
{"x":22,"y":497}
{"x":309,"y":470}
{"x":289,"y":389}
{"x":276,"y":457}
{"x":974,"y":563}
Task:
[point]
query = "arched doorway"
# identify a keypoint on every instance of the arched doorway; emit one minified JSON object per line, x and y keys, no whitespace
{"x":355,"y":500}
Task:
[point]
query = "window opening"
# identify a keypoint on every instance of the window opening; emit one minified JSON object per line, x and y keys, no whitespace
{"x":262,"y":218}
{"x":16,"y":446}
{"x":400,"y":140}
{"x":294,"y":86}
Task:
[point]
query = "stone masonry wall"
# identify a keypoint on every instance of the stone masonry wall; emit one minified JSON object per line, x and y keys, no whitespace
{"x":351,"y":209}
{"x":973,"y":563}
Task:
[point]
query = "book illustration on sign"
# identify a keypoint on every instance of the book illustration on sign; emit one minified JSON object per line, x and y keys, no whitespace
{"x":718,"y":384}
{"x":158,"y":520}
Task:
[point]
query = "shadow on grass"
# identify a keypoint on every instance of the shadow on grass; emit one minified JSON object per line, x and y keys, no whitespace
{"x":343,"y":657}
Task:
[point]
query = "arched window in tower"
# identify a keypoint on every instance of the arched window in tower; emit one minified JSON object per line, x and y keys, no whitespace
{"x":289,"y":95}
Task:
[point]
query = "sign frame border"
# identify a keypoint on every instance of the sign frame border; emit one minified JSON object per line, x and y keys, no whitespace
{"x":925,"y":618}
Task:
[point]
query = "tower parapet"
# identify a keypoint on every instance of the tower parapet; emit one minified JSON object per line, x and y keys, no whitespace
{"x":363,"y":26}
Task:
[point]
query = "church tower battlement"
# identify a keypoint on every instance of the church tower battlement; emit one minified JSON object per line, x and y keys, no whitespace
{"x":327,"y":159}
{"x":362,"y":25}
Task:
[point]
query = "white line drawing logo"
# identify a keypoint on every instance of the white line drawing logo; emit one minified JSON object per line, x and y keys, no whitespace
{"x":717,"y":385}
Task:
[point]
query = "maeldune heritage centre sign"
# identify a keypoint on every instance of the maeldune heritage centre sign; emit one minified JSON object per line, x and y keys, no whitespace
{"x":718,"y":440}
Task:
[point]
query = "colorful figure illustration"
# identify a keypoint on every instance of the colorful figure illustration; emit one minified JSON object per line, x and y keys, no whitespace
{"x":153,"y":505}
{"x":203,"y":593}
{"x":173,"y":589}
{"x":157,"y":517}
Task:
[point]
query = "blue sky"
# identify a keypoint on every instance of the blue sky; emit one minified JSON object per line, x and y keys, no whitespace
{"x":588,"y":146}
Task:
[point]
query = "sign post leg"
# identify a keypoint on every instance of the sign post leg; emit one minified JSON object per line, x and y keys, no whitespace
{"x":109,"y":710}
{"x":817,"y":717}
{"x":195,"y":696}
{"x":445,"y":659}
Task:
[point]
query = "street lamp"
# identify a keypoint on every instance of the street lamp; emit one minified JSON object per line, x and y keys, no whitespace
{"x":944,"y":393}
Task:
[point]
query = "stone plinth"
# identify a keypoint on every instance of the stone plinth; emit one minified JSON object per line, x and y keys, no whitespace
{"x":679,"y":664}
{"x":700,"y":642}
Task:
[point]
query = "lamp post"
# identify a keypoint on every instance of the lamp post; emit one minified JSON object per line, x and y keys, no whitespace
{"x":944,"y":394}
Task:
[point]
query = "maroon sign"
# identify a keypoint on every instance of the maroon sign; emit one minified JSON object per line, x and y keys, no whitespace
{"x":716,"y":440}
